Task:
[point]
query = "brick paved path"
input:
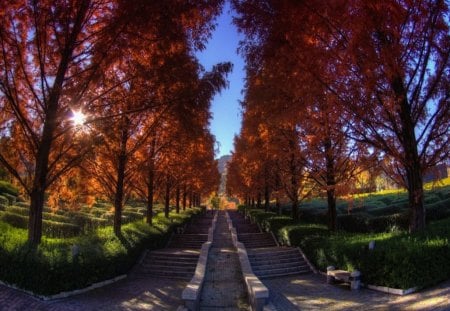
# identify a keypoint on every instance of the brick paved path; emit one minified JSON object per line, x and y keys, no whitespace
{"x":310,"y":292}
{"x":224,"y":287}
{"x":133,"y":293}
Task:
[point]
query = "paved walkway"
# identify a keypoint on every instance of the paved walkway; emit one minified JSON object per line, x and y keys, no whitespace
{"x":224,"y":287}
{"x":311,"y":292}
{"x":133,"y":293}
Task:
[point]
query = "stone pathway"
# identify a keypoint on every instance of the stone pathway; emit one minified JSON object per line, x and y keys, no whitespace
{"x":311,"y":292}
{"x":224,"y":287}
{"x":129,"y":294}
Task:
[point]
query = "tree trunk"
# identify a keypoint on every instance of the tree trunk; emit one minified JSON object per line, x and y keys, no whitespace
{"x":184,"y":197}
{"x":37,"y":195}
{"x":278,"y":205}
{"x":331,"y":184}
{"x":295,"y":207}
{"x":266,"y":198}
{"x":411,"y":162}
{"x":190,"y":199}
{"x":167,"y":199}
{"x":151,"y":177}
{"x":118,"y":197}
{"x":258,"y":201}
{"x":177,"y":199}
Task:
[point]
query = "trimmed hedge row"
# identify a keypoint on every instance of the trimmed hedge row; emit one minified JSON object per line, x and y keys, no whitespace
{"x":398,"y":260}
{"x":51,"y":268}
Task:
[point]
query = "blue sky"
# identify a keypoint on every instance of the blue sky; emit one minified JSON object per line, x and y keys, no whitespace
{"x":226,"y":111}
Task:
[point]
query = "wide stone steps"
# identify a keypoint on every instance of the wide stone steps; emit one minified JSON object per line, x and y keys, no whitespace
{"x":266,"y":258}
{"x":179,"y":259}
{"x":170,"y":263}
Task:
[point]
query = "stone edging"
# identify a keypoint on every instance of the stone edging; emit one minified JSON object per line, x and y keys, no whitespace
{"x":69,"y":293}
{"x":257,"y":291}
{"x":192,"y":291}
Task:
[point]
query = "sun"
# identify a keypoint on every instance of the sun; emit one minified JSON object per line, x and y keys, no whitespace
{"x":78,"y":117}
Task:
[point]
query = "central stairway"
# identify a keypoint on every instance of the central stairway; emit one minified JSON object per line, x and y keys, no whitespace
{"x":268,"y":260}
{"x":179,"y":259}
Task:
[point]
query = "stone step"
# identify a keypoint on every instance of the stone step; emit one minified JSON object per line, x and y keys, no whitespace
{"x":268,"y":267}
{"x":173,"y":268}
{"x":169,"y":262}
{"x":281,"y":271}
{"x":274,"y":253}
{"x":274,"y":261}
{"x":262,"y":245}
{"x":168,"y":274}
{"x":275,"y":275}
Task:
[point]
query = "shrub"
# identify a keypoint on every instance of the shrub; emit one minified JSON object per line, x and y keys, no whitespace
{"x":389,"y":223}
{"x":132,"y":216}
{"x":50,"y":268}
{"x":23,"y":204}
{"x":54,"y":229}
{"x":312,"y":215}
{"x":293,"y":235}
{"x":87,"y":222}
{"x":438,"y":210}
{"x":388,"y":210}
{"x":275,"y":223}
{"x":260,"y":217}
{"x":15,"y":220}
{"x":353,"y":222}
{"x":6,"y":187}
{"x":18,"y":210}
{"x":11,"y":198}
{"x":4,"y":200}
{"x":3,"y":207}
{"x":398,"y":260}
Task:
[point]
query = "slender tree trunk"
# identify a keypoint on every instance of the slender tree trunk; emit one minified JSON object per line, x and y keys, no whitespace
{"x":412,"y":162}
{"x":37,"y":193}
{"x":266,"y":198}
{"x":278,"y":205}
{"x":118,"y":197}
{"x":177,"y":199}
{"x":331,"y":184}
{"x":150,"y":181}
{"x":184,"y":197}
{"x":190,"y":199}
{"x":122,"y":162}
{"x":258,"y":200}
{"x":167,"y":199}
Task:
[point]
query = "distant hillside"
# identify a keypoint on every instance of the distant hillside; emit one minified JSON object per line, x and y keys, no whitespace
{"x":223,"y":163}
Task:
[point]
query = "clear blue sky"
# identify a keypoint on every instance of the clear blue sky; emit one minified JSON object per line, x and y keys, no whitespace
{"x":222,"y":47}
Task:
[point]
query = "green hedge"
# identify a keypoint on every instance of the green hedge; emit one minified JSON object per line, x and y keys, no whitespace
{"x":51,"y":268}
{"x":398,"y":260}
{"x":6,"y":187}
{"x":4,"y":200}
{"x":275,"y":223}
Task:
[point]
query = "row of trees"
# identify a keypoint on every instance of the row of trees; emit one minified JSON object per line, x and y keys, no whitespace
{"x":334,"y":87}
{"x":129,"y":68}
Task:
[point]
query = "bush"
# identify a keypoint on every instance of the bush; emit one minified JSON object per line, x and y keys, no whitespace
{"x":23,"y":204}
{"x":388,"y":210}
{"x":293,"y":235}
{"x":133,"y":216}
{"x":275,"y":223}
{"x":398,"y":260}
{"x":51,"y":269}
{"x":54,"y":229}
{"x":311,"y":215}
{"x":87,"y":222}
{"x":11,"y":198}
{"x":438,"y":210}
{"x":15,"y":220}
{"x":389,"y":223}
{"x":6,"y":187}
{"x":353,"y":222}
{"x":18,"y":210}
{"x":4,"y":200}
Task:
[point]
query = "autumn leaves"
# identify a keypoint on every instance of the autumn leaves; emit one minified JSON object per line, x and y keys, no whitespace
{"x":129,"y":66}
{"x":337,"y":86}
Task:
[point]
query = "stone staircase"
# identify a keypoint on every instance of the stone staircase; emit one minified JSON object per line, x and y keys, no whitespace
{"x":277,"y":261}
{"x":266,"y":257}
{"x":179,"y":259}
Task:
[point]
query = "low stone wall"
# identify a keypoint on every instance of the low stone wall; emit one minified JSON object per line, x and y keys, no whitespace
{"x":191,"y":294}
{"x":257,"y":291}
